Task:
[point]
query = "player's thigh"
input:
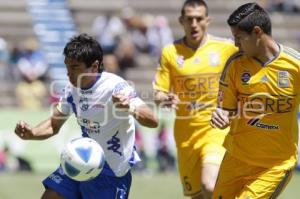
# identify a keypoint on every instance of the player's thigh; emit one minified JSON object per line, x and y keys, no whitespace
{"x":229,"y":181}
{"x":107,"y":187}
{"x":199,"y":157}
{"x":59,"y":182}
{"x":212,"y":156}
{"x":51,"y":194}
{"x":209,"y":176}
{"x":268,"y":184}
{"x":195,"y":174}
{"x":189,"y":166}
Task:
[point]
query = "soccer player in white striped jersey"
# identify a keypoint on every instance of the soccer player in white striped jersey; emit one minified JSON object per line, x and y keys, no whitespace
{"x":105,"y":106}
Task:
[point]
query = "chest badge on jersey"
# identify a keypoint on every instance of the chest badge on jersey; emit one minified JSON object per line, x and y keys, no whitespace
{"x":214,"y":59}
{"x":84,"y":103}
{"x":180,"y":61}
{"x":245,"y":77}
{"x":283,"y":80}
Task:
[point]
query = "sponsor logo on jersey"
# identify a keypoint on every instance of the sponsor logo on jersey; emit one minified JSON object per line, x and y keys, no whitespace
{"x":283,"y":80}
{"x":245,"y":77}
{"x":205,"y":83}
{"x":214,"y":59}
{"x":266,"y":103}
{"x":86,"y":92}
{"x":98,"y":105}
{"x":256,"y":123}
{"x":89,"y":125}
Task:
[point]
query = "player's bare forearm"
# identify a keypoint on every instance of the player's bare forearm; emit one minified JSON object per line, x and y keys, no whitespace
{"x":142,"y":113}
{"x":145,"y":116}
{"x":42,"y":131}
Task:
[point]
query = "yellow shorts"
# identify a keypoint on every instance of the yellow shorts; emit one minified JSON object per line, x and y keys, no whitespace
{"x":196,"y":152}
{"x":239,"y":180}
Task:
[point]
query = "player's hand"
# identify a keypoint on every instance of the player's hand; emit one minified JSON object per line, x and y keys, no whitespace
{"x":23,"y":130}
{"x":169,"y":100}
{"x":121,"y":101}
{"x":220,"y":119}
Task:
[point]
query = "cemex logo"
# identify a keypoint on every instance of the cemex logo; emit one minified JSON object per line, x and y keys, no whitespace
{"x":256,"y":122}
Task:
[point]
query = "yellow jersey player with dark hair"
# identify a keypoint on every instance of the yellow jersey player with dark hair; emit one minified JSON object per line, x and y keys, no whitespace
{"x":187,"y":78}
{"x":258,"y":98}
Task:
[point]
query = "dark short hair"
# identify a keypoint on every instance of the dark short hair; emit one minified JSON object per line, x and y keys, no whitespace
{"x":194,"y":3}
{"x":86,"y":49}
{"x":249,"y":15}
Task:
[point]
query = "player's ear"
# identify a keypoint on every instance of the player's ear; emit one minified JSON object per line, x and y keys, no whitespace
{"x":95,"y":66}
{"x":257,"y":30}
{"x":180,"y":19}
{"x":208,"y":20}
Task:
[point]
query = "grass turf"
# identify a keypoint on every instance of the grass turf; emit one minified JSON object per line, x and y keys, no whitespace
{"x":145,"y":186}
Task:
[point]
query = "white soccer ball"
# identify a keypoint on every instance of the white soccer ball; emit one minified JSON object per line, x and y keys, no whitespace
{"x":82,"y":159}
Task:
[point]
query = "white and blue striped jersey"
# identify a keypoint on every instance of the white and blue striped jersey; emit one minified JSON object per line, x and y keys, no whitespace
{"x":113,"y":129}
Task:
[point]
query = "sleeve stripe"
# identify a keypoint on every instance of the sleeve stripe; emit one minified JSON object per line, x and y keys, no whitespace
{"x":227,"y":109}
{"x":223,"y":84}
{"x":292,"y":52}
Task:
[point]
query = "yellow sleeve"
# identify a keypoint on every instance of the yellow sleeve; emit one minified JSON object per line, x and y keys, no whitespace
{"x":162,"y":79}
{"x":227,"y":97}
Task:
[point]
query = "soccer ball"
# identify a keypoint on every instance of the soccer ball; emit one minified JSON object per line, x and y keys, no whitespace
{"x":82,"y":159}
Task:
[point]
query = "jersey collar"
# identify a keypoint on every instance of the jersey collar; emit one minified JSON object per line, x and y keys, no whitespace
{"x":97,"y":78}
{"x":271,"y":59}
{"x":203,"y":42}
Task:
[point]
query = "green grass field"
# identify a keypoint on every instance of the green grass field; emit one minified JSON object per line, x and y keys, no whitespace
{"x":44,"y":157}
{"x":155,"y":186}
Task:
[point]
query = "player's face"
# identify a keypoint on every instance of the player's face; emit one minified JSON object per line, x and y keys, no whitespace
{"x":194,"y":23}
{"x":79,"y":75}
{"x":246,"y":42}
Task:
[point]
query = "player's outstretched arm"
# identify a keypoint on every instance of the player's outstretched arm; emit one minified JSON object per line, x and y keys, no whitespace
{"x":166,"y":100}
{"x":142,"y":113}
{"x":220,"y":118}
{"x":42,"y":131}
{"x":145,"y":116}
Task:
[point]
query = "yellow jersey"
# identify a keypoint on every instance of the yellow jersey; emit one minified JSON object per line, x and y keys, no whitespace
{"x":193,"y":75}
{"x":265,"y":96}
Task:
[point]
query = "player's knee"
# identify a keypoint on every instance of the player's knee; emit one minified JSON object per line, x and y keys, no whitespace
{"x":200,"y":196}
{"x":209,"y":177}
{"x":207,"y":190}
{"x":208,"y":187}
{"x":208,"y":183}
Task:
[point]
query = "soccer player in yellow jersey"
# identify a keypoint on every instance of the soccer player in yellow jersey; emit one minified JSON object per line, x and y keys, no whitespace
{"x":259,"y":97}
{"x":188,"y":77}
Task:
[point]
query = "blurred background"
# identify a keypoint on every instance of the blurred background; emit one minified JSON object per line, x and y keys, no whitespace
{"x":132,"y":33}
